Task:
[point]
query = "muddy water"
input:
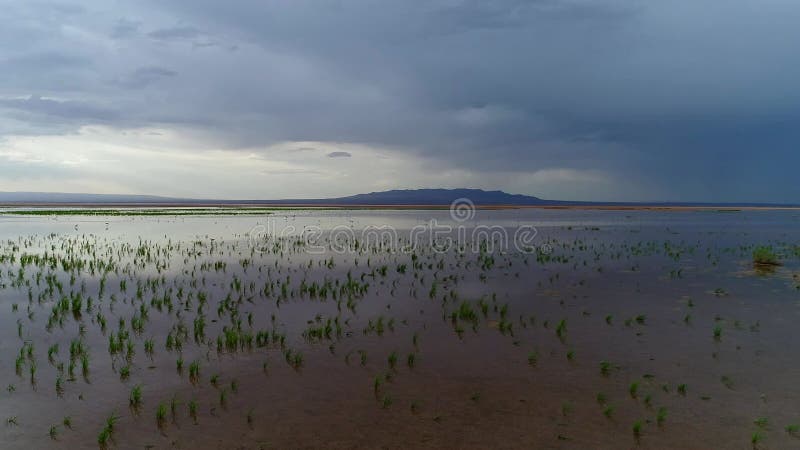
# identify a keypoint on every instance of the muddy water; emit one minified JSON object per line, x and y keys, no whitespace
{"x":642,"y":291}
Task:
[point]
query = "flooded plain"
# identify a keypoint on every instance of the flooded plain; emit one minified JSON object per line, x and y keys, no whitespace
{"x":606,"y":329}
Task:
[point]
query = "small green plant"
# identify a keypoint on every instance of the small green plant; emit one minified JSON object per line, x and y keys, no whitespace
{"x":161,"y":415}
{"x":193,"y":410}
{"x":661,"y":416}
{"x":561,"y":328}
{"x":726,"y":381}
{"x":173,"y":407}
{"x":108,"y":430}
{"x":605,"y":368}
{"x":637,"y":429}
{"x":765,"y":256}
{"x":223,"y":398}
{"x":135,"y":399}
{"x":633,"y":389}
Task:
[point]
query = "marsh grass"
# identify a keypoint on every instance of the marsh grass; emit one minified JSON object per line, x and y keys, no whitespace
{"x":173,"y":408}
{"x":637,"y":429}
{"x":194,"y":371}
{"x":561,"y":329}
{"x":727,"y":382}
{"x":193,"y":410}
{"x":633,"y":389}
{"x":135,"y":399}
{"x":223,"y":398}
{"x":661,"y":416}
{"x":606,"y":368}
{"x":107,"y":433}
{"x":764,"y":256}
{"x":161,"y":415}
{"x":756,"y":438}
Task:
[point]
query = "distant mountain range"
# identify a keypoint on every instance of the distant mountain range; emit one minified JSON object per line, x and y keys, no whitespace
{"x":411,"y":197}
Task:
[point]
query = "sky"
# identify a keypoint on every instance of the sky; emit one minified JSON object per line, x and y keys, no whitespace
{"x":606,"y":100}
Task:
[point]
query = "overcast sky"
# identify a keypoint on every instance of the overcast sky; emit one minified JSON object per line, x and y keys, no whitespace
{"x":564,"y":99}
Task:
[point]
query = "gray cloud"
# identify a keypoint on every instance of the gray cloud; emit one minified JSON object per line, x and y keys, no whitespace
{"x":125,"y":28}
{"x":68,"y":109}
{"x":144,"y":76}
{"x":176,"y":33}
{"x":642,"y":91}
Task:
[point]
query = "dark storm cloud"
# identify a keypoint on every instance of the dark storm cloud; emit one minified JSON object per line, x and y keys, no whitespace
{"x":648,"y":91}
{"x":339,"y":155}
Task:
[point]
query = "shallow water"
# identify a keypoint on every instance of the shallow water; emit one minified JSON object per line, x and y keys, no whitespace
{"x":526,"y":373}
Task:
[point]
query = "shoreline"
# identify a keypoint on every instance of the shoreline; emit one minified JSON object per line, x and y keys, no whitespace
{"x":310,"y":206}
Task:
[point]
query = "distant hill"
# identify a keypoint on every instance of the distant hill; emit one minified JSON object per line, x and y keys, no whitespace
{"x":437,"y":197}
